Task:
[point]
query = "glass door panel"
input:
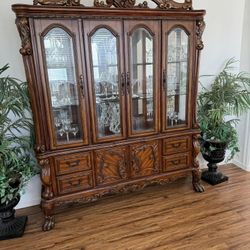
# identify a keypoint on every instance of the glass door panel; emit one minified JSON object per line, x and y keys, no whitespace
{"x":177,"y":78}
{"x":142,"y":81}
{"x":106,"y":83}
{"x":61,"y":72}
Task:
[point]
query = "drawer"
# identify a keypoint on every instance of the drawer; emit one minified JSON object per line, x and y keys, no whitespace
{"x":176,"y":162}
{"x":74,"y":182}
{"x":176,"y":145}
{"x":73,"y":163}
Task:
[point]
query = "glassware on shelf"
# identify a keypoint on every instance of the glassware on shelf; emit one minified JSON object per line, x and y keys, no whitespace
{"x":173,"y":117}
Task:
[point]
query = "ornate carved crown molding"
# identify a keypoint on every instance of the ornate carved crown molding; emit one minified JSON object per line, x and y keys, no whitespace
{"x":57,"y":2}
{"x":162,"y":4}
{"x":171,"y":4}
{"x":24,"y":32}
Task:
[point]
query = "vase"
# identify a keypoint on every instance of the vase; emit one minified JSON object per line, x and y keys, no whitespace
{"x":11,"y":226}
{"x":213,"y":156}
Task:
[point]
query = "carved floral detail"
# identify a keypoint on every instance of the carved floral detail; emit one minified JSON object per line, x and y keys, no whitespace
{"x":57,"y":2}
{"x":24,"y":32}
{"x":40,"y":148}
{"x":47,"y":192}
{"x":200,"y":26}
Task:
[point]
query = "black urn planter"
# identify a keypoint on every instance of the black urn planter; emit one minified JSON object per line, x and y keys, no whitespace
{"x":10,"y":226}
{"x":213,"y":152}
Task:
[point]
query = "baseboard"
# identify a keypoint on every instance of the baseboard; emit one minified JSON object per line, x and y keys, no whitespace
{"x":241,"y":165}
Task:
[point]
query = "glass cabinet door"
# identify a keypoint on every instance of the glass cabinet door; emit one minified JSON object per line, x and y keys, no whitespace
{"x":106,"y":82}
{"x":142,"y":79}
{"x":60,"y":61}
{"x":176,"y":78}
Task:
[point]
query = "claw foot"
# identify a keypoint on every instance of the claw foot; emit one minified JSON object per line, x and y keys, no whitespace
{"x":198,"y":187}
{"x":49,"y":223}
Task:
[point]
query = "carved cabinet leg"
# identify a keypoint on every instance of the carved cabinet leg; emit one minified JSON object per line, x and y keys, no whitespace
{"x":49,"y":219}
{"x":196,"y":173}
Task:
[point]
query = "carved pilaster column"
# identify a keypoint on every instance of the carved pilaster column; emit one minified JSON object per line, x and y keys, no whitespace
{"x":197,"y":172}
{"x":47,"y":192}
{"x":24,"y":32}
{"x":200,"y":26}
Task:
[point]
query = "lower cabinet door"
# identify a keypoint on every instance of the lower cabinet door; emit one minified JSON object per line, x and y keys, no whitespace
{"x":144,"y":159}
{"x":111,"y":165}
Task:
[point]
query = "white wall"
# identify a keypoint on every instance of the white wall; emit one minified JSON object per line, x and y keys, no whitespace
{"x":222,"y":39}
{"x":243,"y":158}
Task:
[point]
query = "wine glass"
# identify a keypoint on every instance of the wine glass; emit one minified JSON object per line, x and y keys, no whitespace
{"x":74,"y":130}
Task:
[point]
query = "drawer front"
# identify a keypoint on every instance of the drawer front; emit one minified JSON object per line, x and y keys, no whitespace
{"x":73,"y":163}
{"x":74,"y":182}
{"x":176,"y":145}
{"x":176,"y":162}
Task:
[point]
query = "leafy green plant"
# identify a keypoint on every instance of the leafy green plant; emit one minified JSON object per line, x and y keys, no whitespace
{"x":17,"y":161}
{"x":220,"y":105}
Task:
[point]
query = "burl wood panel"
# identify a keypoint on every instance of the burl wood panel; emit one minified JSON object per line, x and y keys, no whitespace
{"x":111,"y":165}
{"x":145,"y":159}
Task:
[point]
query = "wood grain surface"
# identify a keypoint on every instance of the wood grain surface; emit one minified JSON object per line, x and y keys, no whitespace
{"x":172,"y":216}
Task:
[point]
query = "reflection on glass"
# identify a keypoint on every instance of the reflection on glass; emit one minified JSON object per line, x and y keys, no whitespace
{"x":106,"y":85}
{"x":177,"y":76}
{"x":141,"y":45}
{"x":63,"y":86}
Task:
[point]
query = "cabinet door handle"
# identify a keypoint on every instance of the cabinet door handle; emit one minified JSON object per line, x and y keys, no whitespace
{"x":75,"y":184}
{"x":164,"y":81}
{"x":123,"y":83}
{"x":81,"y":83}
{"x":73,"y":164}
{"x":176,"y":162}
{"x":176,"y":145}
{"x":128,"y":82}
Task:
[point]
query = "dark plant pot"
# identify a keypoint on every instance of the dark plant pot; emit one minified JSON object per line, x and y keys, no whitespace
{"x":214,"y":156}
{"x":10,"y":226}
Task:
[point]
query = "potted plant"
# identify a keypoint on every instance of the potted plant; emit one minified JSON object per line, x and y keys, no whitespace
{"x":17,"y":161}
{"x":218,"y":109}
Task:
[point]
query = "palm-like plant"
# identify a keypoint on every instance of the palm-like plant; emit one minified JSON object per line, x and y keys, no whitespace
{"x":17,"y":161}
{"x":221,"y":104}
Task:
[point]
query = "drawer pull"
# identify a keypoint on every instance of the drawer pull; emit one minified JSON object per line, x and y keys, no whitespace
{"x":75,"y":183}
{"x":176,"y":162}
{"x":73,"y":164}
{"x":176,"y":145}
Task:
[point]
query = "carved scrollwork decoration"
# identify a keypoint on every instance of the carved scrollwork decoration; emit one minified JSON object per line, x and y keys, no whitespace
{"x":47,"y":192}
{"x":40,"y":149}
{"x":24,"y":32}
{"x":171,"y":4}
{"x":115,"y":3}
{"x":57,"y":2}
{"x":200,"y":26}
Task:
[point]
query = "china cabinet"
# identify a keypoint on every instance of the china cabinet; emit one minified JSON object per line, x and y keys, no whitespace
{"x":113,"y":91}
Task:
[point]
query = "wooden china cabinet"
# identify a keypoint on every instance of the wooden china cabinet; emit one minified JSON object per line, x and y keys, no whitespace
{"x":113,"y":91}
